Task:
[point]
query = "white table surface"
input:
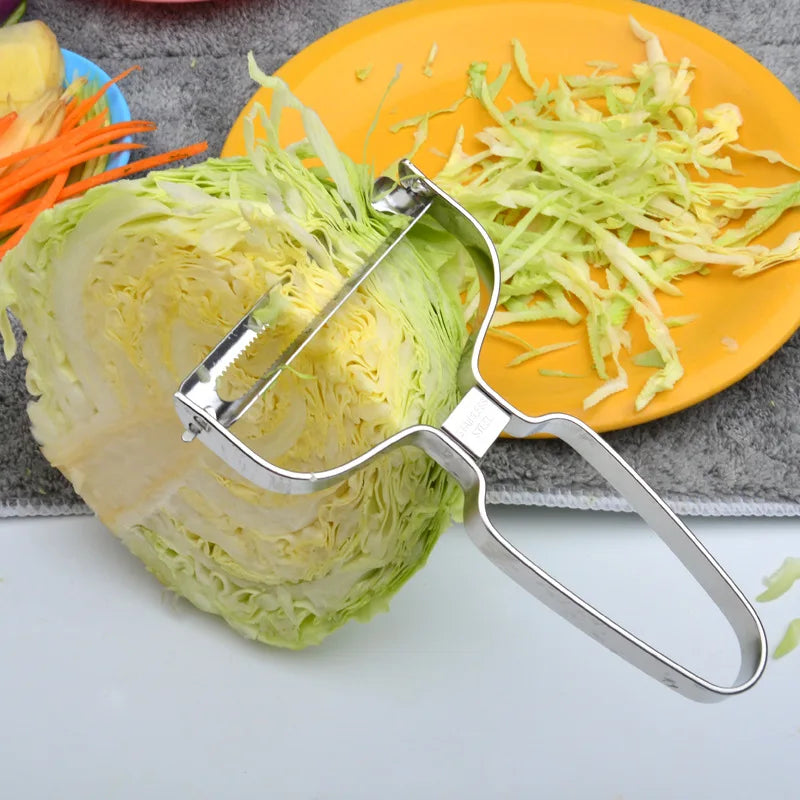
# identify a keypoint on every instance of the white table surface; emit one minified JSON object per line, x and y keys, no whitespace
{"x":468,"y":688}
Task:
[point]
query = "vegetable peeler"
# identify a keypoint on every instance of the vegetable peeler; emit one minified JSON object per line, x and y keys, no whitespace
{"x":463,"y":439}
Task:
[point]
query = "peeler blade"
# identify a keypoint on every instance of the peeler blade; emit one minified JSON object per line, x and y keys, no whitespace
{"x":199,"y":387}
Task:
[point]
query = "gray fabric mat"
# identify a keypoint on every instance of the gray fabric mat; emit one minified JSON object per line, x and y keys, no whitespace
{"x":737,"y":453}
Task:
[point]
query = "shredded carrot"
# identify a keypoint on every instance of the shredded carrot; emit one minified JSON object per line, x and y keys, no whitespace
{"x":83,"y":108}
{"x":49,"y":166}
{"x":12,"y":201}
{"x":130,"y":169}
{"x":44,"y":202}
{"x":66,"y":139}
{"x":69,"y":104}
{"x":76,"y":141}
{"x":110,"y":133}
{"x":6,"y":121}
{"x":16,"y":216}
{"x":33,"y":179}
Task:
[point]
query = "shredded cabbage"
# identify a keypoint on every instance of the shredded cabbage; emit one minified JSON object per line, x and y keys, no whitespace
{"x":589,"y":187}
{"x":124,"y":290}
{"x":790,"y":640}
{"x":781,"y":580}
{"x":777,"y":585}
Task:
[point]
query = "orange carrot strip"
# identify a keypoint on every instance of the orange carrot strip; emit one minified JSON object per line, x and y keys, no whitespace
{"x":129,"y":169}
{"x":72,"y":143}
{"x":19,"y":177}
{"x":88,"y":134}
{"x":5,"y":205}
{"x":32,"y":179}
{"x":61,"y":140}
{"x":82,"y":108}
{"x":15,"y":217}
{"x":69,"y":107}
{"x":74,"y":146}
{"x":6,"y":121}
{"x":43,"y":203}
{"x":109,"y":133}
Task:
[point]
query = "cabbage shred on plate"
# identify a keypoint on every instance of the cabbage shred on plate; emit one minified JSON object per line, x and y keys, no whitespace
{"x":598,"y":191}
{"x":124,"y":290}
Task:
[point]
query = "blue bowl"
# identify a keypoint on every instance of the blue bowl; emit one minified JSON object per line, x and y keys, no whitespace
{"x":78,"y":66}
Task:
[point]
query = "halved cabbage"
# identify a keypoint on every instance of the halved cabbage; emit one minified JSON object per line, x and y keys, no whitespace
{"x":123,"y":291}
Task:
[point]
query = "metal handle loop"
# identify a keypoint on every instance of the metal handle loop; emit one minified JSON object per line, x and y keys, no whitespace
{"x":680,"y":540}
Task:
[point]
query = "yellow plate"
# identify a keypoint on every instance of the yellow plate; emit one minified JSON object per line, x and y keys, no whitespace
{"x":758,"y":314}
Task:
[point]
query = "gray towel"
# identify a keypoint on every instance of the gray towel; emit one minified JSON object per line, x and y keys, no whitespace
{"x":737,"y":453}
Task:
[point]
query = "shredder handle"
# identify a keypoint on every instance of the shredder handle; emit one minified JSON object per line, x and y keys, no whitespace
{"x":465,"y":436}
{"x":680,"y":540}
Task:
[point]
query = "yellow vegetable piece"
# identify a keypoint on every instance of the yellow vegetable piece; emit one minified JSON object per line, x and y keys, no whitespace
{"x":31,"y":64}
